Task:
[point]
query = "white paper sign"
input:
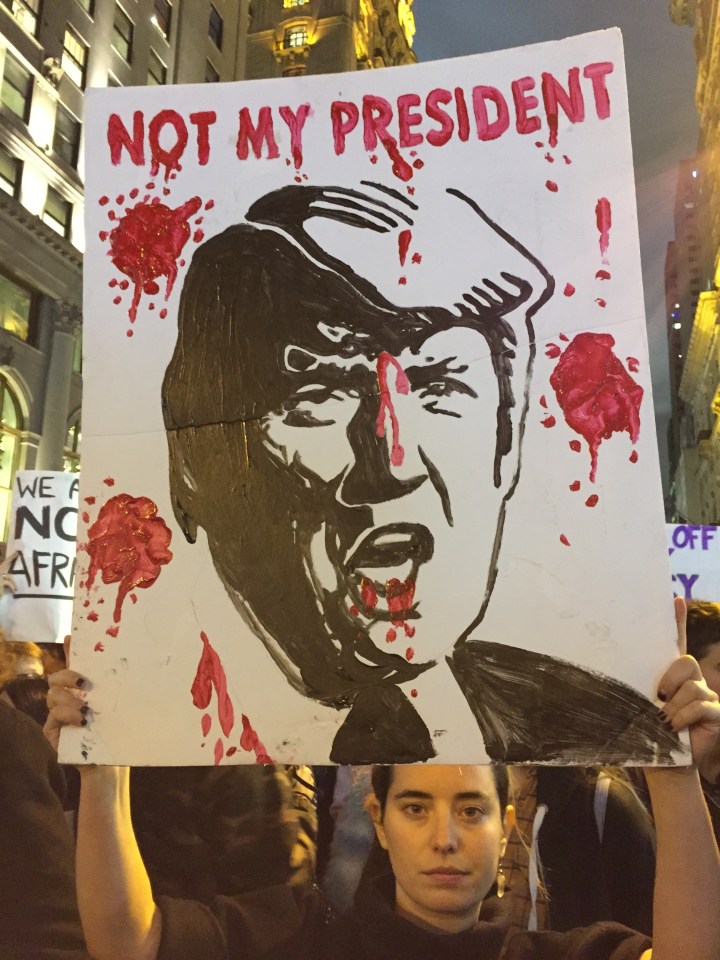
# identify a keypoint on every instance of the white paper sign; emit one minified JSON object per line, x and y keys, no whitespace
{"x":695,"y":561}
{"x":43,"y":530}
{"x":369,"y":464}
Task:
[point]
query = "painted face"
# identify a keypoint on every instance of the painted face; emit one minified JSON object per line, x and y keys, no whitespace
{"x":443,"y":831}
{"x":710,"y":666}
{"x":410,"y":438}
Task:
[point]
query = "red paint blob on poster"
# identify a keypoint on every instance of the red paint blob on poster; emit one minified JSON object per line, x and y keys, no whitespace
{"x":368,"y":594}
{"x":211,"y":674}
{"x":634,"y":457}
{"x":633,"y":364}
{"x":99,"y":647}
{"x":543,"y":402}
{"x":552,"y":186}
{"x":603,"y":275}
{"x":404,"y":240}
{"x":564,"y":540}
{"x":218,"y":751}
{"x":552,"y":350}
{"x":206,"y":723}
{"x":391,"y":636}
{"x":92,"y":616}
{"x":147,"y":242}
{"x":549,"y":421}
{"x":128,"y":544}
{"x":399,"y":595}
{"x":575,"y":446}
{"x":595,"y":392}
{"x":413,"y":692}
{"x":575,"y":486}
{"x":112,"y":631}
{"x":386,"y":406}
{"x":409,"y":653}
{"x":592,"y":501}
{"x":603,"y":218}
{"x":569,"y":290}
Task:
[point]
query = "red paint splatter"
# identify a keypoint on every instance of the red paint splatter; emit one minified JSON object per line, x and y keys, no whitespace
{"x":209,"y":204}
{"x":112,"y":215}
{"x":102,"y":599}
{"x":600,"y":302}
{"x":373,"y":158}
{"x":103,"y":235}
{"x":404,"y":241}
{"x":550,"y":158}
{"x":112,"y":631}
{"x":249,"y":741}
{"x":575,"y":446}
{"x":128,"y":333}
{"x":147,"y":242}
{"x":117,"y":300}
{"x":166,"y":191}
{"x":90,"y":500}
{"x":151,"y":306}
{"x":113,"y":282}
{"x":298,"y":179}
{"x":368,"y":594}
{"x":85,"y":516}
{"x":575,"y":486}
{"x":133,"y":597}
{"x":564,"y":540}
{"x":99,"y":647}
{"x":86,"y":603}
{"x":633,"y":364}
{"x":569,"y":290}
{"x":543,"y":401}
{"x":386,"y":406}
{"x":210,"y":673}
{"x":231,"y":751}
{"x":103,"y":201}
{"x":402,"y":281}
{"x":417,"y":258}
{"x":413,"y":692}
{"x":539,"y":144}
{"x":133,"y":193}
{"x":198,"y":220}
{"x":634,"y":457}
{"x":128,"y":544}
{"x":603,"y":275}
{"x":552,"y":350}
{"x":391,"y":636}
{"x":567,"y":159}
{"x":399,"y":595}
{"x":206,"y":723}
{"x":409,"y":631}
{"x":218,"y":751}
{"x":163,"y":313}
{"x":418,"y":164}
{"x":409,"y":653}
{"x":596,"y":394}
{"x":92,"y":616}
{"x":120,"y":198}
{"x":198,"y":236}
{"x":552,"y":186}
{"x":549,"y":421}
{"x":603,"y":218}
{"x":411,"y":191}
{"x":563,"y":337}
{"x":592,"y":500}
{"x":123,"y":284}
{"x":353,"y":610}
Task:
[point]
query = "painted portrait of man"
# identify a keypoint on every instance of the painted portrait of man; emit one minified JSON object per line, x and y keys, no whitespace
{"x":349,"y":437}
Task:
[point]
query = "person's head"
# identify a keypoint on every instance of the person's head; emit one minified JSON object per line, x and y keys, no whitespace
{"x":19,"y":658}
{"x":28,"y":694}
{"x":347,"y":432}
{"x":703,"y":639}
{"x":444,"y":829}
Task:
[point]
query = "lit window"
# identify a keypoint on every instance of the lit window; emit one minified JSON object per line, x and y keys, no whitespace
{"x":71,"y":458}
{"x":162,"y":17}
{"x":66,"y":138}
{"x":88,"y":6}
{"x":211,"y":74}
{"x":10,"y":173}
{"x":157,"y":71}
{"x":215,"y":28}
{"x":26,"y":13}
{"x":122,"y":38}
{"x":294,"y":3}
{"x":74,"y":57}
{"x":16,"y":92}
{"x":295,"y":37}
{"x":10,"y":430}
{"x":57,"y":213}
{"x":16,"y":308}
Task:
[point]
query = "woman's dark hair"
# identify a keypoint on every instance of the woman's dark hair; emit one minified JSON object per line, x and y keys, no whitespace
{"x":703,"y":627}
{"x":29,"y":694}
{"x":382,"y":777}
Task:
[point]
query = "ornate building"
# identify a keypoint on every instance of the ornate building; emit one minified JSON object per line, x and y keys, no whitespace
{"x":697,"y":476}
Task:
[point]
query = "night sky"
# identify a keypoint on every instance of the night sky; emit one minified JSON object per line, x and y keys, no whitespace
{"x":661,"y":79}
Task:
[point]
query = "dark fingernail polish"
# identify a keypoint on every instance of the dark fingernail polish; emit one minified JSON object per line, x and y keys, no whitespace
{"x":84,"y":709}
{"x":83,"y":722}
{"x":662,"y":695}
{"x":662,"y":716}
{"x":668,"y":726}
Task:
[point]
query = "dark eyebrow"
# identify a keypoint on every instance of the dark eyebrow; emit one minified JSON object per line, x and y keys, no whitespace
{"x":421,"y":795}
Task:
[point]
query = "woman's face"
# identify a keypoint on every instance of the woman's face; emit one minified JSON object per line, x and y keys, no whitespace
{"x":444,"y":832}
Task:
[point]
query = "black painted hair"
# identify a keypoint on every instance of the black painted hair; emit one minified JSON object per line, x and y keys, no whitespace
{"x":382,"y":777}
{"x":703,"y":627}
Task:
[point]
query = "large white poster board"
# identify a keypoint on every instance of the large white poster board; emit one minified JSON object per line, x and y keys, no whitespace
{"x":43,"y":531}
{"x":369,"y":468}
{"x":694,"y":552}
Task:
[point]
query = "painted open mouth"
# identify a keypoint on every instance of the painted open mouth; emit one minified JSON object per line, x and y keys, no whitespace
{"x":391,"y":546}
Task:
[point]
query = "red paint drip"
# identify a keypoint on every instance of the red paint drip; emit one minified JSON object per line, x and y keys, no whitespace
{"x":592,"y":500}
{"x":85,"y":516}
{"x":133,"y":597}
{"x":92,"y":616}
{"x":539,"y":144}
{"x":603,"y":218}
{"x":120,"y":198}
{"x":210,"y":673}
{"x":128,"y":333}
{"x":549,"y":421}
{"x":634,"y":457}
{"x":543,"y":401}
{"x":210,"y":204}
{"x":373,"y":158}
{"x":117,"y":300}
{"x":552,"y":186}
{"x":633,"y":364}
{"x":353,"y":610}
{"x":103,"y":201}
{"x":249,"y":741}
{"x":567,"y":159}
{"x":218,"y":751}
{"x":368,"y":594}
{"x":399,"y":595}
{"x":564,"y":337}
{"x":391,"y":636}
{"x":99,"y":647}
{"x":596,"y":394}
{"x":413,"y":692}
{"x":231,"y":751}
{"x":569,"y":290}
{"x":409,"y":631}
{"x":147,"y":242}
{"x":409,"y":653}
{"x":133,"y":193}
{"x":575,"y":446}
{"x":603,"y":275}
{"x":112,"y":631}
{"x":564,"y":540}
{"x":205,"y":724}
{"x":128,"y":544}
{"x":550,"y":158}
{"x":404,"y":241}
{"x":575,"y":486}
{"x":163,"y":313}
{"x":600,"y":302}
{"x":402,"y":281}
{"x":552,"y":351}
{"x":402,"y":385}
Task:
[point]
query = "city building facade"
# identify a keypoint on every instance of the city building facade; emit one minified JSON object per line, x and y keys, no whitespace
{"x":696,"y":266}
{"x":51,"y":51}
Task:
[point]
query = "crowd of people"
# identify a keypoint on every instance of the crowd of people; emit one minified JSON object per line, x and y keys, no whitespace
{"x":294,"y":863}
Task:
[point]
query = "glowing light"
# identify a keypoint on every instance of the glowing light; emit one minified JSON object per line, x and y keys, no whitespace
{"x":677,"y":326}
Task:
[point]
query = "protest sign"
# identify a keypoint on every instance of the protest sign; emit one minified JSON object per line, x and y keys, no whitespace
{"x":367,"y":421}
{"x":43,"y":529}
{"x":694,"y":552}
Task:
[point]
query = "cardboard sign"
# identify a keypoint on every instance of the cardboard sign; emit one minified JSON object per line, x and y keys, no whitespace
{"x":43,"y":530}
{"x":695,"y":561}
{"x":368,"y":436}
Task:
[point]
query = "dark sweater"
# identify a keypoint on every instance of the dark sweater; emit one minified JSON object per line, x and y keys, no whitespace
{"x":38,"y":911}
{"x":284,"y":923}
